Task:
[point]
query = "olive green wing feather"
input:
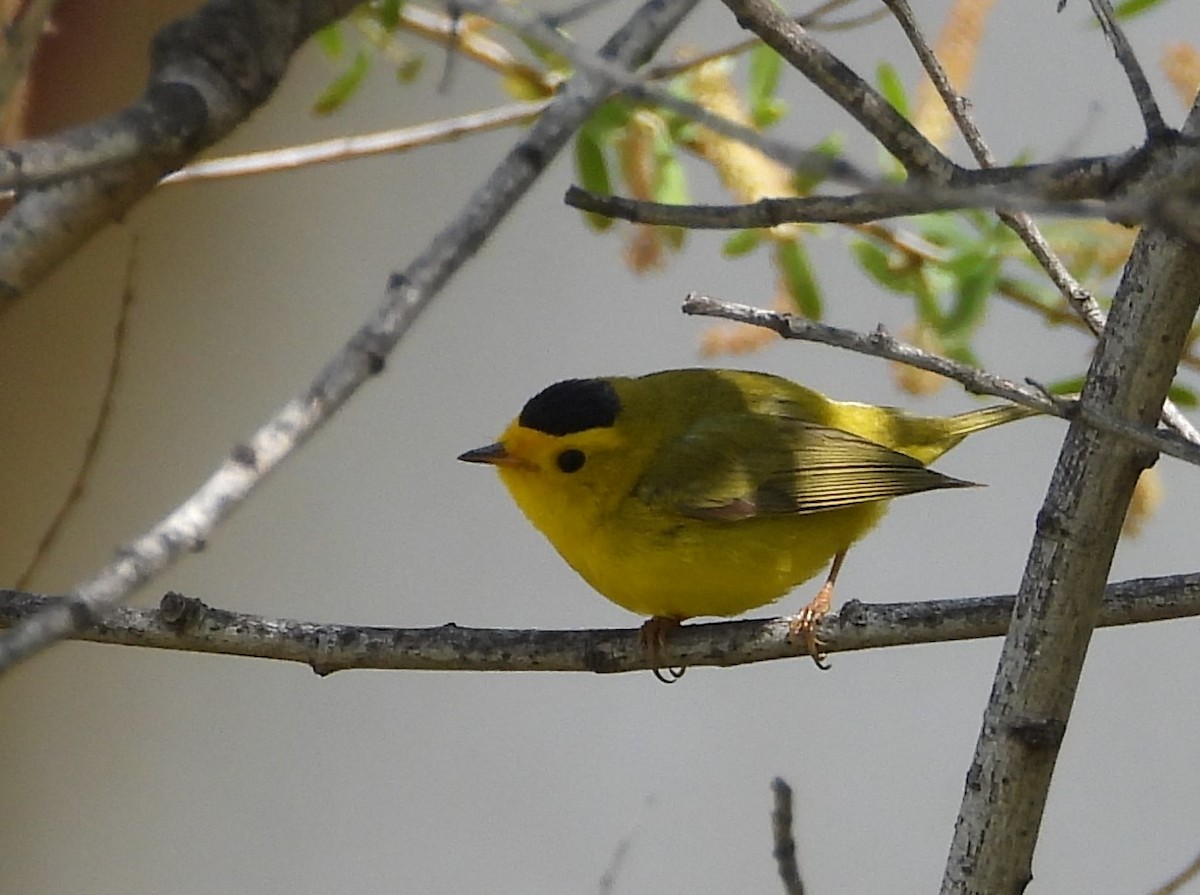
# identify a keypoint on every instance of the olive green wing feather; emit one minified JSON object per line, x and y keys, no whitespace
{"x":738,"y":466}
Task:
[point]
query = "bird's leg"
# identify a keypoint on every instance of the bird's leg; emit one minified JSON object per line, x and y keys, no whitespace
{"x":804,"y":624}
{"x":653,"y":637}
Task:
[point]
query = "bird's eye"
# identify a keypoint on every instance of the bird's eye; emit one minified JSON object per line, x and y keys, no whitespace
{"x":571,"y":460}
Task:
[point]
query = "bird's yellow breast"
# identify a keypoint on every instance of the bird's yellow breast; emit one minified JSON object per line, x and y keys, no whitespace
{"x":685,"y":568}
{"x":675,"y":566}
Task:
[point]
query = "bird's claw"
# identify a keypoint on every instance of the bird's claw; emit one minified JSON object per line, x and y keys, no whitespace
{"x":653,"y":637}
{"x":804,"y":624}
{"x":668,"y":675}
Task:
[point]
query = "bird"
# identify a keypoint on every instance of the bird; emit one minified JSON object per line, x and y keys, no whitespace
{"x":711,"y":492}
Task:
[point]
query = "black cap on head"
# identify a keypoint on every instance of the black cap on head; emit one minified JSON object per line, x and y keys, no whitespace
{"x":573,"y":405}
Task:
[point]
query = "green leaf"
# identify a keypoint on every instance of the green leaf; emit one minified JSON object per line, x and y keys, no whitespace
{"x":388,"y":12}
{"x":343,"y":86}
{"x":670,"y":187}
{"x":799,"y":279}
{"x":926,"y":287}
{"x":674,"y":236}
{"x":1130,"y":8}
{"x":410,"y":69}
{"x":608,"y":117}
{"x":1072,"y":385}
{"x":831,"y":148}
{"x":331,"y":40}
{"x":876,"y":263}
{"x":591,"y":166}
{"x":976,"y":273}
{"x":892,"y":87}
{"x":767,"y":113}
{"x":741,"y":243}
{"x":944,"y":230}
{"x":763,"y":76}
{"x":552,"y":59}
{"x":1185,"y":398}
{"x":763,"y":79}
{"x":961,"y":352}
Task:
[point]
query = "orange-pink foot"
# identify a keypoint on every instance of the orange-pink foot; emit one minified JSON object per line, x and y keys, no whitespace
{"x":653,"y":637}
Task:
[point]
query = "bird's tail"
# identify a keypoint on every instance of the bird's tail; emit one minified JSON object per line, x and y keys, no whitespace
{"x":964,"y":424}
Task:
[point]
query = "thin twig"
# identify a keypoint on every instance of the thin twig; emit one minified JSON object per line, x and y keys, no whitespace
{"x":91,"y":449}
{"x":608,"y":879}
{"x":462,"y":37}
{"x":21,"y":36}
{"x":1181,"y":879}
{"x":363,"y":356}
{"x":784,"y":851}
{"x":345,"y":148}
{"x":881,"y":344}
{"x":638,"y":87}
{"x":187,"y":624}
{"x":841,"y":84}
{"x":1152,"y":117}
{"x":813,"y":20}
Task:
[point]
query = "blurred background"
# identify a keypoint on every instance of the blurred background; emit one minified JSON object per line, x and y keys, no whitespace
{"x":129,"y":770}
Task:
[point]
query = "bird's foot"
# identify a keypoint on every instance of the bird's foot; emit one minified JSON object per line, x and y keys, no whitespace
{"x":804,"y":624}
{"x":653,"y":637}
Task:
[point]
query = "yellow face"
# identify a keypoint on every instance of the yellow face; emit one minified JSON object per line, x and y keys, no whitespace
{"x":565,"y":482}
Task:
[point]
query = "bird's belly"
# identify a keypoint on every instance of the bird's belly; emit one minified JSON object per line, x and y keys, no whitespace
{"x":693,"y":567}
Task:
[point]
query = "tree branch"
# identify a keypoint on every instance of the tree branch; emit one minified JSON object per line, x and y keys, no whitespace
{"x":187,"y":624}
{"x":1152,"y":118}
{"x":394,"y":140}
{"x":639,"y":88}
{"x":1059,"y":601}
{"x":840,"y":83}
{"x":209,"y":71}
{"x":785,"y":842}
{"x":980,"y":382}
{"x":362,"y":357}
{"x":21,"y":35}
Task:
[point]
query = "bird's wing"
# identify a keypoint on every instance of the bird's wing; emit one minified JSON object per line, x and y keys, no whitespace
{"x":738,"y":466}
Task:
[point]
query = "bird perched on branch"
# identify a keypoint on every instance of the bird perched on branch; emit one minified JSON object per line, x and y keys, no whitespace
{"x":700,"y":492}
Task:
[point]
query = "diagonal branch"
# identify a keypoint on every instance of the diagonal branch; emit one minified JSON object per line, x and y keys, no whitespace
{"x":407,"y":295}
{"x":881,"y":344}
{"x":639,"y":88}
{"x":828,"y":73}
{"x":1151,"y":116}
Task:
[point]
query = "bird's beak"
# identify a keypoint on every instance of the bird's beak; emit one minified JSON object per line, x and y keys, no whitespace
{"x":494,"y":454}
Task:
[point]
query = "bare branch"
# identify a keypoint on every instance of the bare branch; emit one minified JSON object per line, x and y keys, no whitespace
{"x":1151,"y":115}
{"x":814,"y":20}
{"x":1062,"y":589}
{"x":638,"y":87}
{"x":1034,"y":188}
{"x":91,"y":449}
{"x":209,"y":71}
{"x":1181,"y":879}
{"x":881,"y":344}
{"x":843,"y":86}
{"x":785,"y":843}
{"x":363,"y":356}
{"x":187,"y":624}
{"x":345,"y":148}
{"x":21,"y":36}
